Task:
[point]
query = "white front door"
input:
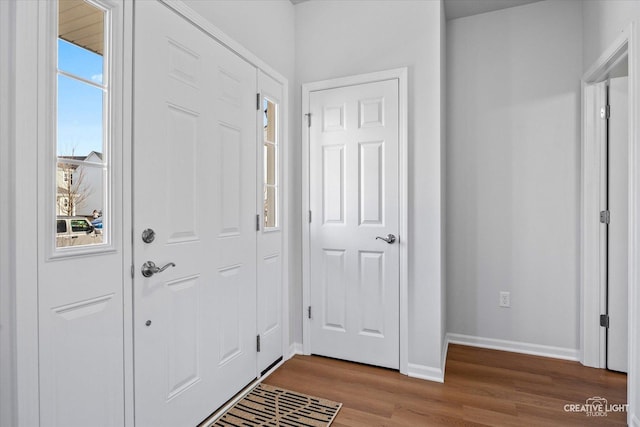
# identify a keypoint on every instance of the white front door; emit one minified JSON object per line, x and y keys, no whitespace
{"x":194,"y":186}
{"x":618,"y":229}
{"x":354,"y":201}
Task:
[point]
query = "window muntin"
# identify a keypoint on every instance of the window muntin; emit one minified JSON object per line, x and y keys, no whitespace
{"x":82,"y":119}
{"x":270,"y":165}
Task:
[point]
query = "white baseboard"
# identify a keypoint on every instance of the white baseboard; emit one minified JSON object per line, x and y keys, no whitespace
{"x":425,"y":372}
{"x":515,"y":347}
{"x":294,"y":348}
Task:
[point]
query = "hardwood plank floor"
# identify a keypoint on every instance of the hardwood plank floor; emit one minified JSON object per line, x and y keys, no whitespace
{"x":482,"y":387}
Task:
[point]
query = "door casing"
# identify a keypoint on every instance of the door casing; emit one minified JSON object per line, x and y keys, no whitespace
{"x":591,"y":287}
{"x":400,"y":74}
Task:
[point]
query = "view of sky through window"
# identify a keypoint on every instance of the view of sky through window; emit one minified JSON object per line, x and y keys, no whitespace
{"x":80,"y":105}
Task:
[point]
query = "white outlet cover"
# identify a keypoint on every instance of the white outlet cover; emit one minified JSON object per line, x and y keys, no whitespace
{"x":505,"y":299}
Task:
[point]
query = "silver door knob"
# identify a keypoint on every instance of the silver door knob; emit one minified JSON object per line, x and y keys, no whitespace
{"x":150,"y":268}
{"x":148,"y":235}
{"x":389,"y":239}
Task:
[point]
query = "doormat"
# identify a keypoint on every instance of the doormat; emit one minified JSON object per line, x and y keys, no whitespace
{"x":267,"y":405}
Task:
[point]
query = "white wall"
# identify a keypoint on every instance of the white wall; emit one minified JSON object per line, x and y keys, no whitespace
{"x":7,"y":320}
{"x":603,"y":21}
{"x":513,"y":174}
{"x":266,"y":28}
{"x":349,"y":37}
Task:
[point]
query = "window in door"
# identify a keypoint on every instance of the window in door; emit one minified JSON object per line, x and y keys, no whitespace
{"x":82,"y":121}
{"x":271,"y":164}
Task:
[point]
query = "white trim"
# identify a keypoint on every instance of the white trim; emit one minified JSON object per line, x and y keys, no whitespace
{"x":633,"y":378}
{"x":294,"y":348}
{"x":401,"y":74}
{"x":592,"y":275}
{"x":127,"y":208}
{"x":514,"y":346}
{"x":425,"y":372}
{"x":627,"y":44}
{"x":285,"y":224}
{"x":25,"y":211}
{"x":593,"y":237}
{"x":635,"y":421}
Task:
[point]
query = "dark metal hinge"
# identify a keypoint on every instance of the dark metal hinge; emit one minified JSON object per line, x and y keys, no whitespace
{"x":258,"y":343}
{"x":605,"y":217}
{"x":258,"y":101}
{"x":604,"y":320}
{"x":605,"y":112}
{"x":309,"y":312}
{"x":257,"y":222}
{"x":308,"y":116}
{"x":309,"y":216}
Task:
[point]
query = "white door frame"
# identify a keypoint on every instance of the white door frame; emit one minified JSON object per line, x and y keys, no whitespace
{"x":401,"y":75}
{"x":592,"y":287}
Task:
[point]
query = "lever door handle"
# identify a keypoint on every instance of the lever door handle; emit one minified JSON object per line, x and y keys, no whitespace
{"x":389,"y":239}
{"x":150,"y":268}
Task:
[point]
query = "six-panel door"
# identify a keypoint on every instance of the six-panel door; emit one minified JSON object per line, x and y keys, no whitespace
{"x":354,"y":199}
{"x":194,"y":184}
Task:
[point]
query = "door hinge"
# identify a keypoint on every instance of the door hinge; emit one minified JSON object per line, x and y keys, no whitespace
{"x":258,"y":101}
{"x":605,"y":217}
{"x":605,"y":112}
{"x":258,"y":222}
{"x":604,"y":320}
{"x":132,"y":272}
{"x":309,"y":312}
{"x":308,"y":116}
{"x":258,"y":343}
{"x":309,"y":216}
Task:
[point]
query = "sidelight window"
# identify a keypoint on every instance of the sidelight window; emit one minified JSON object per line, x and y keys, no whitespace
{"x":271,"y":165}
{"x":82,"y":121}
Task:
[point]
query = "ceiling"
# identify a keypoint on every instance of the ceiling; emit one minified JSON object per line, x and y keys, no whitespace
{"x":460,"y":8}
{"x":81,"y":24}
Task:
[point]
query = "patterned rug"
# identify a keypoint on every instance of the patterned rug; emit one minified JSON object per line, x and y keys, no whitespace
{"x":267,"y":405}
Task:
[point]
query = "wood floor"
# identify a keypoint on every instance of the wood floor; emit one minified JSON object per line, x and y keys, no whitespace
{"x":482,"y":387}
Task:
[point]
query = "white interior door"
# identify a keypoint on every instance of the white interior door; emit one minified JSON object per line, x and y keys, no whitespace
{"x":354,"y":199}
{"x":618,"y":238}
{"x":194,"y":185}
{"x":269,"y":249}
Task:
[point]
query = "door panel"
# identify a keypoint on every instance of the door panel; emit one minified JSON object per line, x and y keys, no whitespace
{"x":354,"y":196}
{"x":194,"y":185}
{"x":269,"y":249}
{"x":80,"y":379}
{"x":617,"y":336}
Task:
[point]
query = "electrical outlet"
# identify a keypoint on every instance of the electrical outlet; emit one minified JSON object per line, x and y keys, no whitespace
{"x":505,"y":299}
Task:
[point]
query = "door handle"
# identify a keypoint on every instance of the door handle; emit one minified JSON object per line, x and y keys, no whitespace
{"x":389,"y":239}
{"x":150,"y":268}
